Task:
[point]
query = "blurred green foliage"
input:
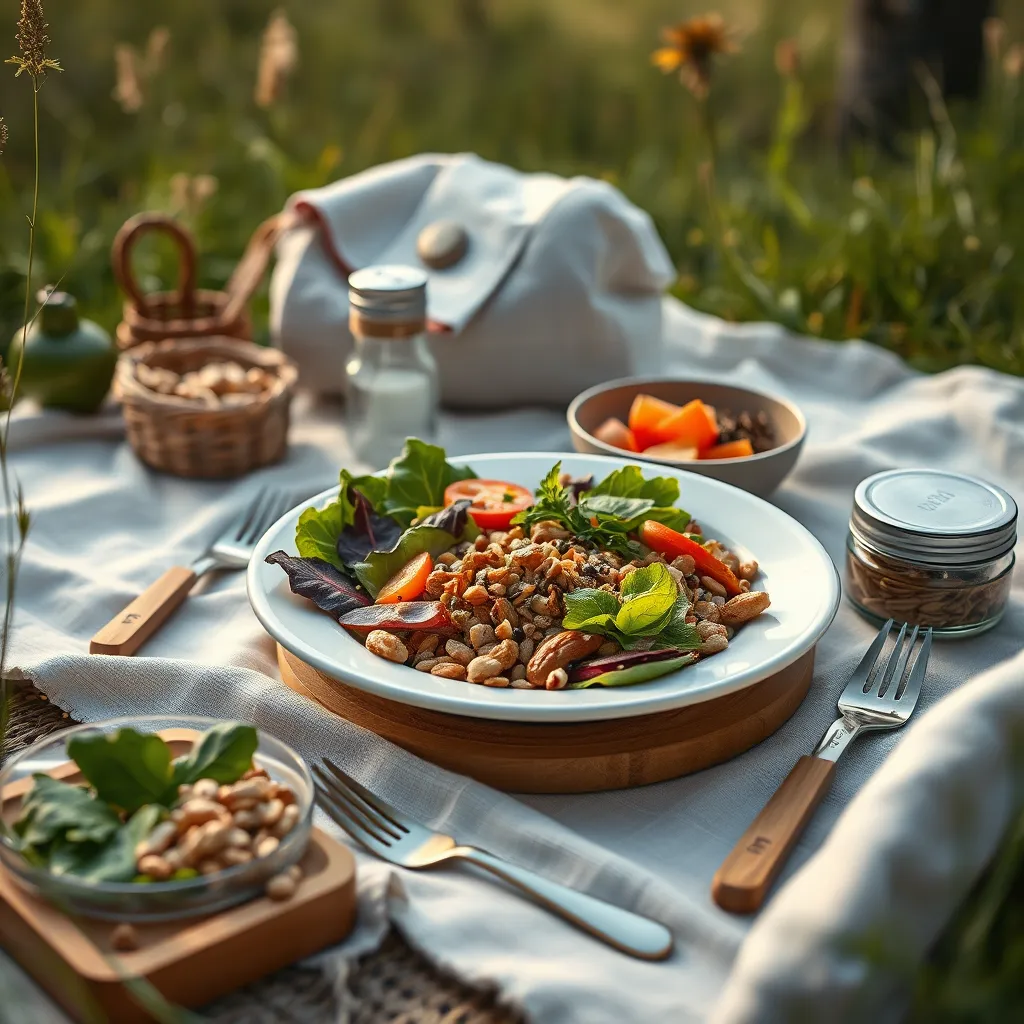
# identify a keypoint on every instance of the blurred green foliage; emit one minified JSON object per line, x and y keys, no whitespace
{"x":922,"y":255}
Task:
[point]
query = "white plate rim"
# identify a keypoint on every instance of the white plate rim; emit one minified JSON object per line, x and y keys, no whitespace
{"x":461,"y":698}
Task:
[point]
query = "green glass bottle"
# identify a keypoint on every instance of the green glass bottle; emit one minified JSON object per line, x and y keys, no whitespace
{"x":68,"y":362}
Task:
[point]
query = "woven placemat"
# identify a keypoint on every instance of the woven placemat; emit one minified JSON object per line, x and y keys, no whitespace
{"x":394,"y":985}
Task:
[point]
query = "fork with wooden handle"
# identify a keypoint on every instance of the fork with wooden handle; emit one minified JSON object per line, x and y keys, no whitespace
{"x":881,"y":694}
{"x":130,"y":628}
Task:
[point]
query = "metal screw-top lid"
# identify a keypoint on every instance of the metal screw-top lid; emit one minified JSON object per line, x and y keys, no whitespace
{"x":933,"y":517}
{"x":388,"y":293}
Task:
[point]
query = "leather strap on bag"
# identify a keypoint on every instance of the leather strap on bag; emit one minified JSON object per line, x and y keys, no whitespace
{"x":248,"y":274}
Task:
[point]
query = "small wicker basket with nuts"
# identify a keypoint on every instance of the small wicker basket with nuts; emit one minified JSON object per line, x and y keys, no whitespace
{"x":206,"y":407}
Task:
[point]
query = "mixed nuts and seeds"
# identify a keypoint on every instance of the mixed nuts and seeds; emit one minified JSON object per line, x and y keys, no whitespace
{"x":214,"y":385}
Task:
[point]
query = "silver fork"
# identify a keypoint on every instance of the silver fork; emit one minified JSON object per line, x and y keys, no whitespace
{"x":396,"y":837}
{"x":130,"y":628}
{"x":881,"y":694}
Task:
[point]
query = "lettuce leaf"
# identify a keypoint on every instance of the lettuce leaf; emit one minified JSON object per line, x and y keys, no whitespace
{"x":379,"y":566}
{"x":418,"y":478}
{"x":629,"y":482}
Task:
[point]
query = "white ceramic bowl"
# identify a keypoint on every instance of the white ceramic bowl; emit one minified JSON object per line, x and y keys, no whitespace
{"x":796,"y":571}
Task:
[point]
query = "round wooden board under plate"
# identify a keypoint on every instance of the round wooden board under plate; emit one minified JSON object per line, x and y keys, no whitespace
{"x":568,"y":757}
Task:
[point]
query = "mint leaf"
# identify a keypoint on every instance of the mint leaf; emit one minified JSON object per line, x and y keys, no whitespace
{"x":583,"y":605}
{"x":648,"y":597}
{"x":418,"y":477}
{"x":677,"y":632}
{"x":52,"y":808}
{"x":222,"y":753}
{"x":615,"y":506}
{"x":126,"y":768}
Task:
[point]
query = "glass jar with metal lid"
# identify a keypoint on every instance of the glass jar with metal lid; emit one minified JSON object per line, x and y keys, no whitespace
{"x":391,"y":377}
{"x":931,"y":548}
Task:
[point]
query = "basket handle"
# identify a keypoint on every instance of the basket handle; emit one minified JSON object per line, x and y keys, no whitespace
{"x":121,"y":257}
{"x":246,"y":277}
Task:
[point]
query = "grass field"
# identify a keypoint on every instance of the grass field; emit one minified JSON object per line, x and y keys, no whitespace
{"x":922,"y":255}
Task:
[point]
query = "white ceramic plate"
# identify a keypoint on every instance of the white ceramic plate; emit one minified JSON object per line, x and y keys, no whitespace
{"x":795,"y":570}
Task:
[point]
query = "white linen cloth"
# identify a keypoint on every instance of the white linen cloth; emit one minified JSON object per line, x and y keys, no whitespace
{"x":899,"y":858}
{"x":559,"y":289}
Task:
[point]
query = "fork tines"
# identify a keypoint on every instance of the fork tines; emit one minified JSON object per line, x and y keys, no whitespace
{"x":895,"y":677}
{"x":363,"y":815}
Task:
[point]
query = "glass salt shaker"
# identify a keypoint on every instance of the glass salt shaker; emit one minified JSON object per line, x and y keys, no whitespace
{"x":391,"y":383}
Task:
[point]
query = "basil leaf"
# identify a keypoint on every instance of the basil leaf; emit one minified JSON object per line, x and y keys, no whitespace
{"x":584,"y":605}
{"x":677,"y":632}
{"x":614,"y":506}
{"x":126,"y":768}
{"x":320,"y":582}
{"x":417,"y":477}
{"x":648,"y":597}
{"x":111,"y":861}
{"x":52,"y":808}
{"x":629,"y":482}
{"x":223,"y":753}
{"x":380,"y":566}
{"x":636,"y":673}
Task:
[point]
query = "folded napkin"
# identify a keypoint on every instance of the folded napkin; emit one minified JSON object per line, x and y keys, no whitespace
{"x":104,"y":527}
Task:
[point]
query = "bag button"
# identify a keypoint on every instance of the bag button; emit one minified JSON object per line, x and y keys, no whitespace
{"x":442,"y":244}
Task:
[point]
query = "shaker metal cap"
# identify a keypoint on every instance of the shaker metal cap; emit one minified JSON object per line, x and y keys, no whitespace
{"x":388,"y":293}
{"x":934,"y":517}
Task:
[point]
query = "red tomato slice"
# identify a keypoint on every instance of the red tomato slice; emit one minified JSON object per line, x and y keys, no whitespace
{"x":495,"y":502}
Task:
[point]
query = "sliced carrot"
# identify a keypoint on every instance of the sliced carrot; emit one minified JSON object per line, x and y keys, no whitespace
{"x":671,"y":544}
{"x":691,"y":425}
{"x":617,"y":434}
{"x":674,"y":451}
{"x":409,"y":582}
{"x":729,"y":450}
{"x":645,"y":414}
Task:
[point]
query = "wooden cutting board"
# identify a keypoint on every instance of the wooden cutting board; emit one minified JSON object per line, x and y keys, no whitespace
{"x":568,"y":757}
{"x":189,"y":962}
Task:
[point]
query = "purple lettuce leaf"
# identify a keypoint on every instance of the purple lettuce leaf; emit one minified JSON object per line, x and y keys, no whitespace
{"x":369,"y":531}
{"x":616,"y":662}
{"x":452,"y":519}
{"x":320,"y":582}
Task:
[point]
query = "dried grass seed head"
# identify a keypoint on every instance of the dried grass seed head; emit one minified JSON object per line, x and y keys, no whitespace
{"x":3,"y":136}
{"x":279,"y":55}
{"x":32,"y":42}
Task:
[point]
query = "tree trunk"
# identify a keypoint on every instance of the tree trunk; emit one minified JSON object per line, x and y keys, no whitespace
{"x":884,"y":41}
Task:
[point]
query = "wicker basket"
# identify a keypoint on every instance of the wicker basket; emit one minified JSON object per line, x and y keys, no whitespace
{"x":180,"y":436}
{"x":188,"y":312}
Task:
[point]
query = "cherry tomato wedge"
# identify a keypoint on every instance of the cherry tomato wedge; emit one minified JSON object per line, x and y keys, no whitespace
{"x":495,"y":502}
{"x":666,"y":541}
{"x":409,"y":582}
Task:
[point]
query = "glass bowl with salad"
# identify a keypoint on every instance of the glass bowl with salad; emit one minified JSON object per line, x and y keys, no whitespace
{"x":583,"y":583}
{"x":149,"y":818}
{"x":739,"y":435}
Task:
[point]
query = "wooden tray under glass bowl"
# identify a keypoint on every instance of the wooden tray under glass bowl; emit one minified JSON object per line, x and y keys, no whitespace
{"x":191,"y":960}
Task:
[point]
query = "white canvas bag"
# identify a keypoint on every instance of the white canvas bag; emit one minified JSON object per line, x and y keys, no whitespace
{"x":559,"y":288}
